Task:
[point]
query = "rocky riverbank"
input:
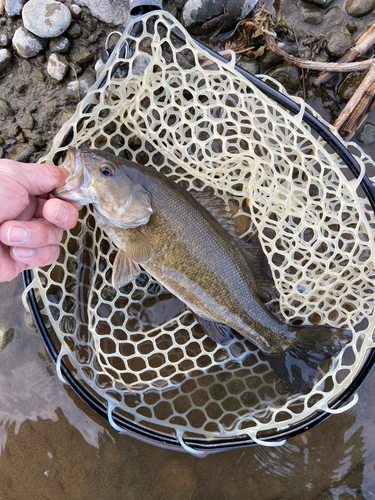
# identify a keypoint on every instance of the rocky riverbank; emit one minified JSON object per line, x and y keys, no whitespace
{"x":48,"y":51}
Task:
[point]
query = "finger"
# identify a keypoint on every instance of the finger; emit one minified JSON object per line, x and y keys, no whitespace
{"x":36,"y":178}
{"x":60,"y":213}
{"x":9,"y":269}
{"x":29,"y":212}
{"x":35,"y":257}
{"x":30,"y":234}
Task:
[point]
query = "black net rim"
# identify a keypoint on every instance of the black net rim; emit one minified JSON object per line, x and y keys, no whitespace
{"x":204,"y":446}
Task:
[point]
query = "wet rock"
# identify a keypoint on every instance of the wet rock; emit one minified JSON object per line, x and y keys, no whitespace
{"x":359,"y":8}
{"x":323,"y":4}
{"x":312,"y":15}
{"x":35,"y":138}
{"x":60,"y":45}
{"x":22,"y":152}
{"x":367,"y":134}
{"x":338,"y":43}
{"x":4,"y":40}
{"x":2,"y":152}
{"x":197,"y":12}
{"x":288,"y":75}
{"x":82,"y":55}
{"x":28,"y":121}
{"x":6,"y":338}
{"x":270,"y":59}
{"x":14,"y":7}
{"x":6,"y":109}
{"x":349,"y":85}
{"x":251,"y":65}
{"x":109,"y":11}
{"x":46,"y":18}
{"x":45,"y":116}
{"x":351,"y":26}
{"x":6,"y":60}
{"x":57,"y":67}
{"x":26,"y":44}
{"x":76,"y":91}
{"x":75,"y":31}
{"x":2,"y":141}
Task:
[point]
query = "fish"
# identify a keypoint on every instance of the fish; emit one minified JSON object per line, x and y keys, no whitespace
{"x":180,"y":240}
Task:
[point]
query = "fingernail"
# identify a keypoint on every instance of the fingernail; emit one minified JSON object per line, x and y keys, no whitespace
{"x":61,"y":213}
{"x":23,"y":253}
{"x":17,"y":234}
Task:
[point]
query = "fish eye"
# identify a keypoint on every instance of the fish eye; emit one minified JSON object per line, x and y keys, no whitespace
{"x":107,"y":170}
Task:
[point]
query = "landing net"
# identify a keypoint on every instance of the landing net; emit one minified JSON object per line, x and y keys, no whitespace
{"x":173,"y":107}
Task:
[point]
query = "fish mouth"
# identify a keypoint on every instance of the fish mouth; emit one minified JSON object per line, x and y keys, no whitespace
{"x":74,"y":164}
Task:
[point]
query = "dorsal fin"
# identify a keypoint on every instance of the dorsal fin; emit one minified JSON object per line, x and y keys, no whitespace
{"x":216,"y":206}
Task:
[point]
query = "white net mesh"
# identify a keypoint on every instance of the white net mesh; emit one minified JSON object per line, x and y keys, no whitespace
{"x":173,"y":107}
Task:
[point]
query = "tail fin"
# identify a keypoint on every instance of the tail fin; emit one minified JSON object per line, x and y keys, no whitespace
{"x":297,"y":363}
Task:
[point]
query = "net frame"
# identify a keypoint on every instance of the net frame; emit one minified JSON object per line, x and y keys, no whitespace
{"x":329,"y":404}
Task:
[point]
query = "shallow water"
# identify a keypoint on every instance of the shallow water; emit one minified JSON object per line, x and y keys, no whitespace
{"x":54,"y":447}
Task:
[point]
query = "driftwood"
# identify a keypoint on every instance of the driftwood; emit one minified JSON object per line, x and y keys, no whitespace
{"x":364,"y":43}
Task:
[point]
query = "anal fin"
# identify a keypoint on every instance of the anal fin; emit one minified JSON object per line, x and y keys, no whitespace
{"x":218,"y":332}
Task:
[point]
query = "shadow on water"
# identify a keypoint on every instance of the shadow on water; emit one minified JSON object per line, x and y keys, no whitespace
{"x":54,"y":447}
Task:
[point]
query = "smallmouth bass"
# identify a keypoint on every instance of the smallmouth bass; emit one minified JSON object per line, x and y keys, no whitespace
{"x":162,"y":227}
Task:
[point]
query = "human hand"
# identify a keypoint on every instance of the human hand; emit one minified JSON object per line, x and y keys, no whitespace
{"x":32,"y":224}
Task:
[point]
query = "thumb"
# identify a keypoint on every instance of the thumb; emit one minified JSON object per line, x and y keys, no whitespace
{"x":36,"y":178}
{"x":42,"y":178}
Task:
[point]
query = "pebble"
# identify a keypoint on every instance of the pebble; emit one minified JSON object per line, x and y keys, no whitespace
{"x":46,"y":18}
{"x":82,"y":55}
{"x":312,"y":15}
{"x":65,"y":115}
{"x":109,"y":11}
{"x":197,"y":12}
{"x":75,"y":10}
{"x":367,"y":134}
{"x":4,"y":40}
{"x":338,"y":43}
{"x":252,"y":65}
{"x":359,"y":8}
{"x":20,"y":86}
{"x":22,"y":152}
{"x":270,"y":59}
{"x":75,"y":31}
{"x":1,"y":152}
{"x":323,"y":4}
{"x":85,"y":81}
{"x":60,"y":45}
{"x":57,"y":67}
{"x":28,"y":121}
{"x":288,"y":75}
{"x":26,"y":44}
{"x":5,"y":108}
{"x":14,"y":7}
{"x":6,"y":60}
{"x":6,"y":338}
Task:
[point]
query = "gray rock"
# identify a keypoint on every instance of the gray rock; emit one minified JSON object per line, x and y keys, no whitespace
{"x":6,"y":337}
{"x":57,"y":67}
{"x":65,"y":115}
{"x":312,"y":15}
{"x":288,"y":75}
{"x":109,"y":11}
{"x":82,"y":55}
{"x":28,"y":121}
{"x":26,"y":44}
{"x":75,"y":10}
{"x":84,"y":83}
{"x":46,"y":18}
{"x":4,"y":40}
{"x":5,"y":108}
{"x":367,"y":134}
{"x":22,"y":152}
{"x":20,"y":85}
{"x":14,"y":7}
{"x":338,"y":43}
{"x":75,"y":31}
{"x":323,"y":4}
{"x":251,"y":65}
{"x":60,"y":45}
{"x":197,"y":12}
{"x":359,"y":8}
{"x":6,"y":60}
{"x":270,"y":59}
{"x":2,"y":152}
{"x":349,"y":85}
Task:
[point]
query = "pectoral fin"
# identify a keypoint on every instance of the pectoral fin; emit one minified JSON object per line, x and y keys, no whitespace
{"x":124,"y":271}
{"x":216,"y":331}
{"x":131,"y":241}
